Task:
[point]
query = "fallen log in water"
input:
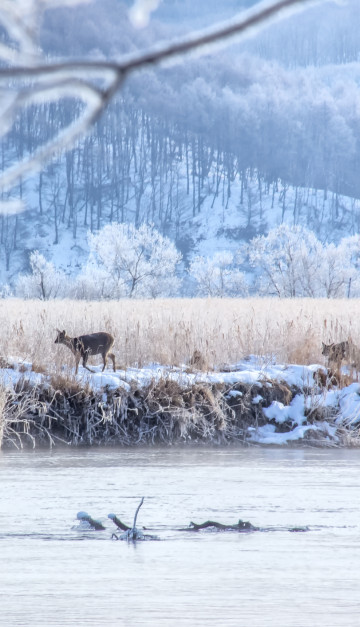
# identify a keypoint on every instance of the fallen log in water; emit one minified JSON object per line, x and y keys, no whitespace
{"x":242,"y":526}
{"x":132,"y":534}
{"x":94,"y":524}
{"x":118,"y":522}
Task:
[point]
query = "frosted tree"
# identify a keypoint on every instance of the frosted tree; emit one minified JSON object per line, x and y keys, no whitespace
{"x":341,"y":277}
{"x":286,"y":261}
{"x":132,"y":262}
{"x":290,"y":261}
{"x":92,"y":284}
{"x":336,"y":272}
{"x":330,"y":271}
{"x":44,"y":281}
{"x":217,"y":276}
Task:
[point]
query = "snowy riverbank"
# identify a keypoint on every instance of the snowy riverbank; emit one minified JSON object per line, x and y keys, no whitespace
{"x":253,"y":402}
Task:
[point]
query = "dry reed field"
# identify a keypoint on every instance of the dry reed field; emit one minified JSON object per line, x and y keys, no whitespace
{"x":65,"y":410}
{"x":168,"y":331}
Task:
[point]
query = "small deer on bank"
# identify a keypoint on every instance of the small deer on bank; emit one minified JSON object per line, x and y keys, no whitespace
{"x":335,"y":353}
{"x":86,"y":345}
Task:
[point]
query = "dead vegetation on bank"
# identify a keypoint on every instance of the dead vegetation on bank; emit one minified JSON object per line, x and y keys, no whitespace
{"x":163,"y":413}
{"x":193,"y":333}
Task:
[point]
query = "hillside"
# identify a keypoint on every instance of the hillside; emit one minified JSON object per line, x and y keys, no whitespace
{"x":212,"y":151}
{"x":225,"y":220}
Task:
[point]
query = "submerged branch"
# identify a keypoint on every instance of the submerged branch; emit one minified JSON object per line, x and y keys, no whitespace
{"x":136,"y":514}
{"x":118,"y":522}
{"x":94,"y":524}
{"x":131,"y":534}
{"x":240,"y":526}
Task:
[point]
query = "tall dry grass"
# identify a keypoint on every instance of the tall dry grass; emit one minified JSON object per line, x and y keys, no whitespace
{"x":168,"y":331}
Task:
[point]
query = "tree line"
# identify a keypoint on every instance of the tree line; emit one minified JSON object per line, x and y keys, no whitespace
{"x":126,"y":262}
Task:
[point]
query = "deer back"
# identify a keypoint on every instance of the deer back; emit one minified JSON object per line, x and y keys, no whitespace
{"x":94,"y":343}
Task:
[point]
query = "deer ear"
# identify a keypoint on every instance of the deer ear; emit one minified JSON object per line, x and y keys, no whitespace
{"x":64,"y":332}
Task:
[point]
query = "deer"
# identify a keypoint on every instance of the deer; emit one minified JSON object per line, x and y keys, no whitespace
{"x":336,"y":352}
{"x":86,"y":345}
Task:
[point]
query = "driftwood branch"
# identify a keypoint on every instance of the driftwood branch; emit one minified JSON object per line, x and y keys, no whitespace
{"x":136,"y":514}
{"x":95,"y":524}
{"x":131,"y":533}
{"x":243,"y":526}
{"x":118,"y":522}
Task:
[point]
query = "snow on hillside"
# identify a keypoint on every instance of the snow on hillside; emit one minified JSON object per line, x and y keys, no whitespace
{"x":221,"y":224}
{"x":223,"y":228}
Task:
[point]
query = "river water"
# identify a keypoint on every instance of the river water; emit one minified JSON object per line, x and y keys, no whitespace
{"x":55,"y":573}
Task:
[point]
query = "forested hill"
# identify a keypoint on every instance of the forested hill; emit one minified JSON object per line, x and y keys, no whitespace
{"x":212,"y":150}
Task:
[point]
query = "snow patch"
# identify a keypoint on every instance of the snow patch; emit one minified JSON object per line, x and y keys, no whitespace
{"x":293,"y":413}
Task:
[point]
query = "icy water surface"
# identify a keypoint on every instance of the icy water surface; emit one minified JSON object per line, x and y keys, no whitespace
{"x":54,"y":574}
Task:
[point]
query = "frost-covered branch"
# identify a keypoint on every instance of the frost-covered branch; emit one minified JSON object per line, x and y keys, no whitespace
{"x":25,"y":77}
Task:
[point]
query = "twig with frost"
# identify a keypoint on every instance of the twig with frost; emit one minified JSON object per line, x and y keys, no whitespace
{"x":27,"y":78}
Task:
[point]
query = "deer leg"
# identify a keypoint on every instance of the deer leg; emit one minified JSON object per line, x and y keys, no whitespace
{"x":112,"y":357}
{"x":77,"y":359}
{"x":85,"y":358}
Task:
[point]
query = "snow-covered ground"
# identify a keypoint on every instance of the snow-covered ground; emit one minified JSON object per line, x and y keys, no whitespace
{"x":343,"y":404}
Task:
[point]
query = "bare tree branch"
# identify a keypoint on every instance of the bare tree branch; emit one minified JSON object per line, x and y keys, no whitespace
{"x":55,"y":80}
{"x":254,"y":17}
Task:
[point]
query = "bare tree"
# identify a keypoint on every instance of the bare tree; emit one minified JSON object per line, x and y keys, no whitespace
{"x":26,"y":77}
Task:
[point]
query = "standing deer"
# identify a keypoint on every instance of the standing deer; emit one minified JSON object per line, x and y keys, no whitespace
{"x":336,"y":352}
{"x":86,"y":345}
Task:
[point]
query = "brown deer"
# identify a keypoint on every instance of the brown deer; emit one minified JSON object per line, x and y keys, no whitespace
{"x":335,"y":353}
{"x":86,"y":345}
